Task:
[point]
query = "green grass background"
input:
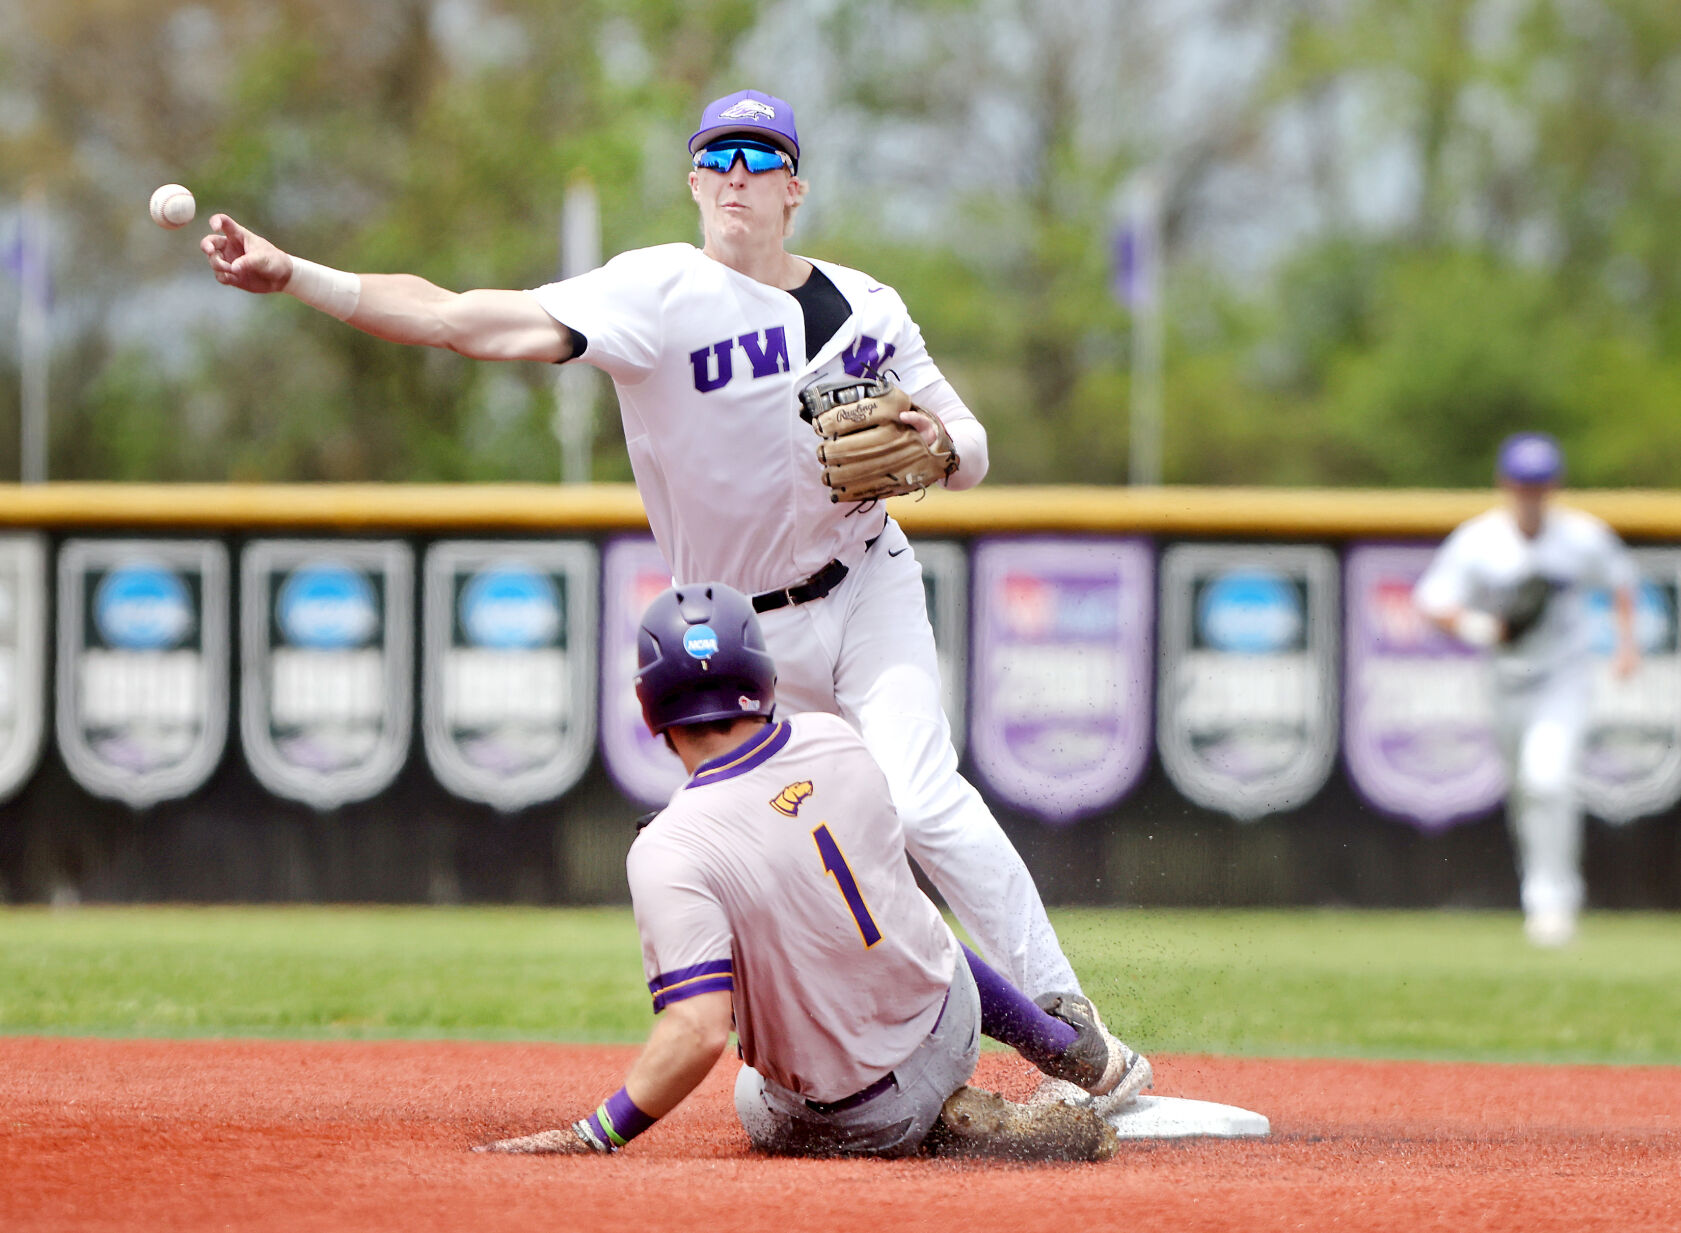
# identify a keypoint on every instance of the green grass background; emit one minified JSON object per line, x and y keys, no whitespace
{"x":1310,"y":983}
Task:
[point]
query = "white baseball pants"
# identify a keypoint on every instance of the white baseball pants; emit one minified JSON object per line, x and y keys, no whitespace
{"x":865,"y":652}
{"x":1539,"y":725}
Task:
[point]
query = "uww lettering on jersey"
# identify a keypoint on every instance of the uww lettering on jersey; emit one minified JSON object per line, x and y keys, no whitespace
{"x":767,"y":353}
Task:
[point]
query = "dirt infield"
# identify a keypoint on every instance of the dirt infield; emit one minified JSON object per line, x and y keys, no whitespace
{"x":193,"y":1135}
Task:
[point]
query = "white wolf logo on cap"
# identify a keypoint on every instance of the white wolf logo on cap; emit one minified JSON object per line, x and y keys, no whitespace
{"x":749,"y":109}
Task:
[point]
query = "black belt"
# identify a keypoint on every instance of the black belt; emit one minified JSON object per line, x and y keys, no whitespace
{"x":814,"y":587}
{"x":882,"y":1084}
{"x":857,"y":1098}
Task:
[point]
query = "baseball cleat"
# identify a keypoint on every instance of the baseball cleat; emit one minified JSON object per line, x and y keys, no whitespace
{"x":1550,"y":930}
{"x":1097,"y":1062}
{"x":983,"y":1125}
{"x":1053,"y":1091}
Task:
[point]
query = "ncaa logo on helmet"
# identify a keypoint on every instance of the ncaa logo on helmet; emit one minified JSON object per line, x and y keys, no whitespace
{"x":748,"y":109}
{"x":701,"y":642}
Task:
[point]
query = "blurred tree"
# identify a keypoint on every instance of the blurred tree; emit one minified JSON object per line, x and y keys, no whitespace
{"x":1528,"y":278}
{"x":1031,"y":114}
{"x":1398,"y":230}
{"x":428,"y":135}
{"x":1481,"y":236}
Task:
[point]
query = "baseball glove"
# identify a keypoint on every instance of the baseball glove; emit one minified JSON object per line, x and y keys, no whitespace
{"x":1526,"y":607}
{"x":867,"y":452}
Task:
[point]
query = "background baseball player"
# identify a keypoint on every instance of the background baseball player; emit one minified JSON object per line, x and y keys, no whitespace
{"x":710,"y":350}
{"x":1513,"y":580}
{"x":774,"y":890}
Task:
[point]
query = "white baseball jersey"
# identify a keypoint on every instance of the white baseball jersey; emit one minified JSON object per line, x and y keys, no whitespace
{"x":778,"y":873}
{"x":707,"y":363}
{"x":1487,"y":558}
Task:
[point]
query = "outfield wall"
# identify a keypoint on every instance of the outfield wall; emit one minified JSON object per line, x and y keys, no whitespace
{"x":421,"y":693}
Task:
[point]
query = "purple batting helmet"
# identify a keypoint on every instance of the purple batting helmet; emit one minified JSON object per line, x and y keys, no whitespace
{"x":700,"y":656}
{"x":1530,"y":458}
{"x":751,"y":113}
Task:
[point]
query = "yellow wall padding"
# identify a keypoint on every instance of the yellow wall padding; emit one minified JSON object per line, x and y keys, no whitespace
{"x":1260,"y":513}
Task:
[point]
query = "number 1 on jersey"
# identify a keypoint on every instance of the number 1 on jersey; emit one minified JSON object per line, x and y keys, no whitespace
{"x":837,"y":867}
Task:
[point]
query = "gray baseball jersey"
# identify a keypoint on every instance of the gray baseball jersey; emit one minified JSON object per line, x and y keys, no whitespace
{"x":778,"y":873}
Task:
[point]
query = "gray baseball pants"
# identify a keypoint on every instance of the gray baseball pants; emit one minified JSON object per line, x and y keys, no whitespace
{"x":893,"y":1122}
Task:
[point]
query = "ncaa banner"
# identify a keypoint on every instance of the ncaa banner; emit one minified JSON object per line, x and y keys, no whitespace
{"x":1631,"y":759}
{"x":327,"y":657}
{"x":632,"y":573}
{"x":23,"y":658}
{"x":945,"y":587}
{"x":1247,"y":698}
{"x":1418,"y":725}
{"x":142,"y":710}
{"x":509,"y":668}
{"x":1062,"y":649}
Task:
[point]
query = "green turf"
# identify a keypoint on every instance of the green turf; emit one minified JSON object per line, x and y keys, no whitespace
{"x":1434,"y":984}
{"x":1393,"y":984}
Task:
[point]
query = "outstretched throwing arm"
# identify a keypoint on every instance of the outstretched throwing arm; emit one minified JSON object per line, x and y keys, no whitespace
{"x":402,"y":308}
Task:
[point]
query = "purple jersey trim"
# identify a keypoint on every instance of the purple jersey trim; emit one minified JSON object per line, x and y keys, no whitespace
{"x":693,"y":989}
{"x":744,"y":757}
{"x":712,"y":967}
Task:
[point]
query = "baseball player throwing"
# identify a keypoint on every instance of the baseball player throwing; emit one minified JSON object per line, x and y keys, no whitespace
{"x":774,"y":892}
{"x":761,"y":427}
{"x":1513,"y":581}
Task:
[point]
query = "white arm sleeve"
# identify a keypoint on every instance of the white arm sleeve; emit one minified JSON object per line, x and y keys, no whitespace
{"x":966,"y":431}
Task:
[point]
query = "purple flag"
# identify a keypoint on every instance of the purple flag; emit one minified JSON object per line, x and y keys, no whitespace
{"x":28,"y":259}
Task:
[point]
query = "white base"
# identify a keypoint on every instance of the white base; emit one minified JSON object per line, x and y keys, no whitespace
{"x":1171,"y":1117}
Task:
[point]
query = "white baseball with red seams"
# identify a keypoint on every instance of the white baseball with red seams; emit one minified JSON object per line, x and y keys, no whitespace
{"x":172,"y":206}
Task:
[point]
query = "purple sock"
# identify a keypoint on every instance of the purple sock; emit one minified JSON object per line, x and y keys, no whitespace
{"x":618,"y":1120}
{"x":1009,"y":1016}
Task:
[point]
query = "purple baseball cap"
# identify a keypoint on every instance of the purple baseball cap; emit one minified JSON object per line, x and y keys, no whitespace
{"x":750,"y":113}
{"x":1530,"y":458}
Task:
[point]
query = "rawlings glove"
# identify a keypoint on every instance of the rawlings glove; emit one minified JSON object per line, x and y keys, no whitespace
{"x":867,"y":452}
{"x":1526,"y":607}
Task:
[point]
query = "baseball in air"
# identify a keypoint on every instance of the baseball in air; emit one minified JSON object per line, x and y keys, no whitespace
{"x":172,"y":206}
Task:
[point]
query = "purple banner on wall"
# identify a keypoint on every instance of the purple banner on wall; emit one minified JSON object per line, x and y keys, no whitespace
{"x":632,"y":573}
{"x":1062,"y":659}
{"x":1418,"y":733}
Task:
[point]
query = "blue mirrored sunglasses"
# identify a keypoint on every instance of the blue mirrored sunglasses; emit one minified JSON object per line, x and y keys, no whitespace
{"x":756,"y":155}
